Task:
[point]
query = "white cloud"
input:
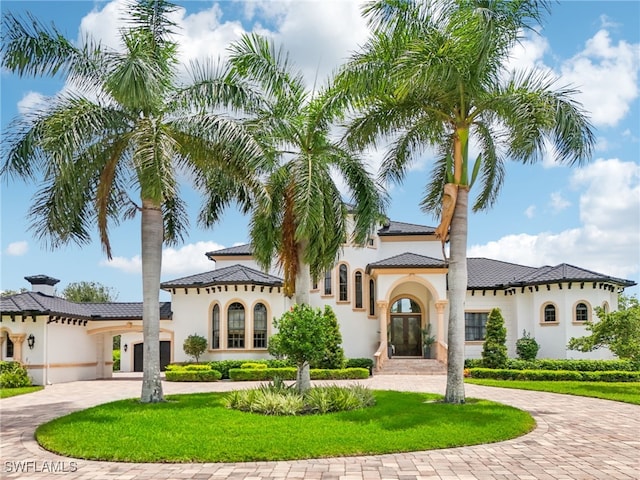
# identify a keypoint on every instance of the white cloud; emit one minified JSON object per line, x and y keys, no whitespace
{"x":17,"y":249}
{"x":530,"y":212}
{"x":608,"y":238}
{"x":606,"y":77}
{"x":31,"y":101}
{"x":558,"y":203}
{"x":186,"y":260}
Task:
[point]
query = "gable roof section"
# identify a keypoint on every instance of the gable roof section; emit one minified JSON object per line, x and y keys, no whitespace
{"x":35,"y":303}
{"x":232,"y":275}
{"x":407,"y":260}
{"x":393,"y":228}
{"x":488,"y":273}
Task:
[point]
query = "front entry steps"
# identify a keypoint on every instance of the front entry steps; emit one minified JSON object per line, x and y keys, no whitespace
{"x":412,"y":366}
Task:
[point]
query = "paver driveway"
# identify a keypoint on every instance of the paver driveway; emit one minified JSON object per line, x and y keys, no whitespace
{"x":576,"y":438}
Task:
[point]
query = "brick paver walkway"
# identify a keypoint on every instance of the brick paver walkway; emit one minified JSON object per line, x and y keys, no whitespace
{"x":576,"y":438}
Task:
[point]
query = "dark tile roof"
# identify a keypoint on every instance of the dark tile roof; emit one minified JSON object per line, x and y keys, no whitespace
{"x":41,"y":304}
{"x":232,"y":275}
{"x":407,"y":260}
{"x":565,"y":273}
{"x":232,"y":251}
{"x":488,"y":273}
{"x":400,"y":228}
{"x":123,"y":310}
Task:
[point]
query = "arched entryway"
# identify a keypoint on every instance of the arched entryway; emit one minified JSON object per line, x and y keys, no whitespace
{"x":406,"y":327}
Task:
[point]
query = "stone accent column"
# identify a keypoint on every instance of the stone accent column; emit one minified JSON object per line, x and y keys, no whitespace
{"x":441,"y":353}
{"x":383,"y":305}
{"x":2,"y":337}
{"x":18,"y":341}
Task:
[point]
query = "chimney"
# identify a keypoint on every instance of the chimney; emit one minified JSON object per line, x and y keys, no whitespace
{"x":42,"y":284}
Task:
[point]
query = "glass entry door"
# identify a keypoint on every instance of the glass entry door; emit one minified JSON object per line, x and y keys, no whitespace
{"x":406,"y":335}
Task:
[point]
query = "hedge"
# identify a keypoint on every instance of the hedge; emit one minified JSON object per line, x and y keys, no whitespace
{"x":360,"y":363}
{"x":572,"y":365}
{"x":223,"y":366}
{"x":289,"y":373}
{"x":554,"y":375}
{"x":191,"y":373}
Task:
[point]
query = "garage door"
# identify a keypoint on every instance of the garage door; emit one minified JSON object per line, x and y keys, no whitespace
{"x":165,"y":355}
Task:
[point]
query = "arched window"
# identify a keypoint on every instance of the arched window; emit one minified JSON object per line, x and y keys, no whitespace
{"x":605,"y":307}
{"x":327,"y":282}
{"x":235,"y":325}
{"x":372,"y":298}
{"x":260,"y":326}
{"x":215,"y":337}
{"x":9,"y":346}
{"x":343,"y":284}
{"x":358,"y":288}
{"x":582,"y":312}
{"x":405,"y":305}
{"x":550,"y":313}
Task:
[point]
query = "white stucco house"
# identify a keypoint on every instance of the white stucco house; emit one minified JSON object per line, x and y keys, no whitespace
{"x":385,"y":292}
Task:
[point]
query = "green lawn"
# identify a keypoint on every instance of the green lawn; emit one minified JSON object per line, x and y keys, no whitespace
{"x":628,"y":392}
{"x":197,"y":428}
{"x":12,"y":392}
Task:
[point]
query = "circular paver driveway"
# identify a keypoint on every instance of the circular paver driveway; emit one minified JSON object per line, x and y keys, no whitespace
{"x":576,"y":438}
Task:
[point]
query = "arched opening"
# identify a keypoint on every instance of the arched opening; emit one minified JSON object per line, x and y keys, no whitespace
{"x":405,"y":327}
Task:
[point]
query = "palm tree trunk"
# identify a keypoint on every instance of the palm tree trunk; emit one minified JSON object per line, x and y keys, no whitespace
{"x":457,"y":295}
{"x":303,"y":377}
{"x":303,"y":279}
{"x":152,"y":238}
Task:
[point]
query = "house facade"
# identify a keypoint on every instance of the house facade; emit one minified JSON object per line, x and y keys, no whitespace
{"x":386,"y":293}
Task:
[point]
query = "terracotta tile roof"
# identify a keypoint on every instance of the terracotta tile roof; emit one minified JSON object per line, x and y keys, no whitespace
{"x":41,"y":304}
{"x":232,"y":275}
{"x":407,"y":260}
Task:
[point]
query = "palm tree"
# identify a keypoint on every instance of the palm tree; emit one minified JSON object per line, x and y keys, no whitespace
{"x":302,"y":222}
{"x":126,"y":127}
{"x":432,"y":75}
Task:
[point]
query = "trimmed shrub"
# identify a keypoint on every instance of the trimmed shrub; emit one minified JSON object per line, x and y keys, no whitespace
{"x":527,"y":347}
{"x":494,"y":349}
{"x":194,"y":346}
{"x":360,"y":363}
{"x":13,"y":375}
{"x":254,"y":365}
{"x":574,"y":365}
{"x":223,"y":366}
{"x":554,"y":375}
{"x":192,"y":375}
{"x":289,"y":373}
{"x":334,"y":353}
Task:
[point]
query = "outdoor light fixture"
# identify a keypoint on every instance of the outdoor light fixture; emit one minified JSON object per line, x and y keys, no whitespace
{"x":31,"y":341}
{"x":125,"y":347}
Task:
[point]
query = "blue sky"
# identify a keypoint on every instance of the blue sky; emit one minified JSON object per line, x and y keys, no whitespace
{"x":546,"y":214}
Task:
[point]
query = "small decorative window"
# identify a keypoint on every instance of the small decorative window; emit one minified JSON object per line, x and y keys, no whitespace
{"x":582,"y":312}
{"x":372,"y":298}
{"x":605,"y":307}
{"x":215,"y":339}
{"x":327,"y":282}
{"x":343,"y":284}
{"x":358,"y":288}
{"x":9,"y":347}
{"x":475,"y":326}
{"x":235,"y":322}
{"x":260,"y":326}
{"x":550,"y":314}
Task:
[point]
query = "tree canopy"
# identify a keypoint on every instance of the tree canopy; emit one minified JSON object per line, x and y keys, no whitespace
{"x":85,"y":292}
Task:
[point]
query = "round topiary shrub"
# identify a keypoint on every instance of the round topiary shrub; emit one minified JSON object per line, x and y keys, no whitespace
{"x":527,"y":347}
